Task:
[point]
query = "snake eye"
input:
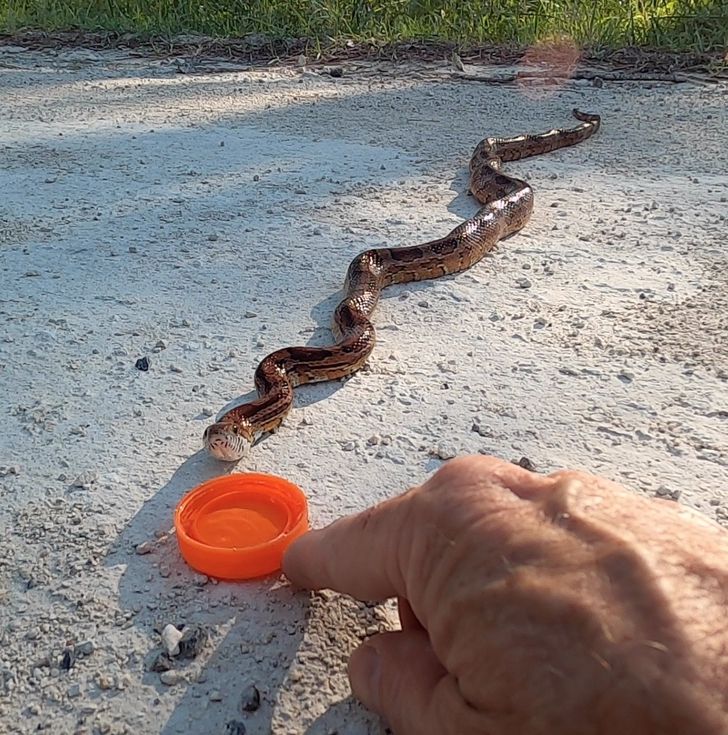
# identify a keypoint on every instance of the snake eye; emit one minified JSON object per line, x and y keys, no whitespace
{"x":234,"y":429}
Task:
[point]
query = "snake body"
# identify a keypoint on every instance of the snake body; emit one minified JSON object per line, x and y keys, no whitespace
{"x":507,"y":204}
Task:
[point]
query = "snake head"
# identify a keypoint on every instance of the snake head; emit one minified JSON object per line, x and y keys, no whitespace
{"x":227,"y":441}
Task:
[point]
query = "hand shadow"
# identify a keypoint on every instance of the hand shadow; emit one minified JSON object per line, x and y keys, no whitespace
{"x":255,"y":627}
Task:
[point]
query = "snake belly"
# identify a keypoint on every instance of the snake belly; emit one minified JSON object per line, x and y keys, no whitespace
{"x":506,"y":206}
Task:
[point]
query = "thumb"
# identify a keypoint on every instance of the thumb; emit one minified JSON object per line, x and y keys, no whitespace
{"x":396,"y":675}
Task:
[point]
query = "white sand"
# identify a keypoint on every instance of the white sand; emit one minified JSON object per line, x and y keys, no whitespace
{"x":140,"y":205}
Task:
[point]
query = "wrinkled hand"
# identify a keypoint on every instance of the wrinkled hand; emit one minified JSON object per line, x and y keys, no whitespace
{"x":533,"y":605}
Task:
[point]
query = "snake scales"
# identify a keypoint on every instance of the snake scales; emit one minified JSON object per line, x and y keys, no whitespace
{"x":507,"y":204}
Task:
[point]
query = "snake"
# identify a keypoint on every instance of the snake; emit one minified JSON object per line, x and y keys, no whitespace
{"x":506,"y":204}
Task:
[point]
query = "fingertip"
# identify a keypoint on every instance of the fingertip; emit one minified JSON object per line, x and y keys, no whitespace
{"x":297,"y":561}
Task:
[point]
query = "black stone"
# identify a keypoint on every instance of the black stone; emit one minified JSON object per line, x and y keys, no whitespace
{"x":193,"y":640}
{"x":250,"y":698}
{"x":68,"y":659}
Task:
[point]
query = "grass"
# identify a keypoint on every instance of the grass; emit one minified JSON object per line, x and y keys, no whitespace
{"x":675,"y":25}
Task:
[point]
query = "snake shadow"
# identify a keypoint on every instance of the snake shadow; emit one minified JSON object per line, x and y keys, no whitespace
{"x":464,"y":206}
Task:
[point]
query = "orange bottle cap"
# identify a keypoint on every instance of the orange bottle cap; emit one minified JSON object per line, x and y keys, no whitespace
{"x":238,"y":526}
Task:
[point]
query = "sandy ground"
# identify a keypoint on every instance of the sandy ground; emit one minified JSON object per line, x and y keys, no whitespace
{"x":204,"y":220}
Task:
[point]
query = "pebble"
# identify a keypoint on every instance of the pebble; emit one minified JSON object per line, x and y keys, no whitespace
{"x":523,"y":282}
{"x":234,"y":727}
{"x":142,"y":364}
{"x":86,"y":648}
{"x":665,"y":492}
{"x":193,"y":640}
{"x":250,"y":315}
{"x":526,"y":463}
{"x":145,"y":547}
{"x":85,"y":480}
{"x":215,"y":696}
{"x":6,"y":470}
{"x":74,"y":691}
{"x":161,"y":662}
{"x":444,"y":451}
{"x":159,"y":346}
{"x":105,"y":682}
{"x":250,"y":698}
{"x":171,"y":637}
{"x":170,"y":677}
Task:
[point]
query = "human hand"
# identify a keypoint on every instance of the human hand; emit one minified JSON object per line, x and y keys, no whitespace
{"x":533,"y":604}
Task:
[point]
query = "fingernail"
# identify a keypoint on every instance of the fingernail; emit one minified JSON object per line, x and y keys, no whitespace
{"x":364,"y":674}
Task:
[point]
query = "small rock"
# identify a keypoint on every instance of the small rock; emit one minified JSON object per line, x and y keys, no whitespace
{"x":68,"y":659}
{"x":250,"y":315}
{"x":336,"y":72}
{"x":105,"y":682}
{"x":215,"y":696}
{"x":145,"y":547}
{"x":523,"y":282}
{"x":86,"y":648}
{"x":665,"y":492}
{"x":85,"y":480}
{"x":443,"y":451}
{"x":212,"y":238}
{"x":74,"y":691}
{"x":348,"y":446}
{"x":161,"y":662}
{"x":526,"y":463}
{"x":133,"y":249}
{"x":159,"y":346}
{"x":250,"y":699}
{"x":8,"y":470}
{"x":234,"y":727}
{"x":171,"y":637}
{"x":193,"y":640}
{"x":142,"y":364}
{"x":170,"y":677}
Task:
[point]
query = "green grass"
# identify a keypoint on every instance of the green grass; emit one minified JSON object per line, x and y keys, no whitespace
{"x":678,"y":25}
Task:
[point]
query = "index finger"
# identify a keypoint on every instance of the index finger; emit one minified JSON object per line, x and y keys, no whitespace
{"x":375,"y":554}
{"x":357,"y":555}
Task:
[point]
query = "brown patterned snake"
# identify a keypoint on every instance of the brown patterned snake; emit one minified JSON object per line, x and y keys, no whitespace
{"x":507,"y":204}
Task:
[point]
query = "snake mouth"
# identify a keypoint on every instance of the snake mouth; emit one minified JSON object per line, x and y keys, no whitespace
{"x":223,"y":442}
